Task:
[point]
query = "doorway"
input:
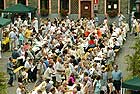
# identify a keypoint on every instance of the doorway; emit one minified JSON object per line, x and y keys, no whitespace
{"x":86,"y":9}
{"x":44,"y":7}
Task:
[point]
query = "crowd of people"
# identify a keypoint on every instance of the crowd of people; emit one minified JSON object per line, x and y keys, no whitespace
{"x":66,"y":56}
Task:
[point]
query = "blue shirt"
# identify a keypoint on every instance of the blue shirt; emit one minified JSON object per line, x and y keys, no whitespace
{"x":10,"y":67}
{"x":116,"y":75}
{"x":46,"y":63}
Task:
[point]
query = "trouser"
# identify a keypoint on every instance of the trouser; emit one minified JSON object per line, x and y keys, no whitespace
{"x":12,"y":44}
{"x":120,"y":23}
{"x":20,"y":42}
{"x":117,"y":84}
{"x":30,"y":75}
{"x":10,"y":82}
{"x":132,"y":29}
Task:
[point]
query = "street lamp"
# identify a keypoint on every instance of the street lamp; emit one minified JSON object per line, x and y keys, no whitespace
{"x":137,"y":13}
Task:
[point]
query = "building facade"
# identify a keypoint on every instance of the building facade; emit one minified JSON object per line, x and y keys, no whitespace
{"x":74,"y":8}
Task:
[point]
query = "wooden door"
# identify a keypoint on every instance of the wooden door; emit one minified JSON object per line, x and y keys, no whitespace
{"x":86,"y":9}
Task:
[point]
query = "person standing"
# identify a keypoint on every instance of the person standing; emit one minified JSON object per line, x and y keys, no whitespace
{"x":10,"y":69}
{"x":59,"y":69}
{"x":29,"y":65}
{"x":117,"y":78}
{"x":35,"y":24}
{"x":96,"y":19}
{"x":28,"y":33}
{"x":20,"y":37}
{"x":13,"y":38}
{"x":97,"y":85}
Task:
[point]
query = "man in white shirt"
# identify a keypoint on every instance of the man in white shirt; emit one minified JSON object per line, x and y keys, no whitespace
{"x":28,"y":63}
{"x":35,"y":24}
{"x":59,"y":69}
{"x":13,"y":38}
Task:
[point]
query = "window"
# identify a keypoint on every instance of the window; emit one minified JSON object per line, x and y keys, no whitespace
{"x":44,"y":7}
{"x":64,"y":4}
{"x":22,"y":2}
{"x":112,"y":4}
{"x":44,"y":4}
{"x":112,"y":7}
{"x":1,"y":4}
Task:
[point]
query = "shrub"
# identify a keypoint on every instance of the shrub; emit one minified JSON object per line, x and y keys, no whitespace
{"x":3,"y":85}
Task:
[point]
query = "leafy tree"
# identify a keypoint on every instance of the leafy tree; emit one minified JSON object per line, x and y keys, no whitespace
{"x":3,"y":85}
{"x":134,"y":59}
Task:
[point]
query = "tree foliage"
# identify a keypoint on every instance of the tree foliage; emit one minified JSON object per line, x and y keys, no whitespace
{"x":3,"y":85}
{"x":134,"y":59}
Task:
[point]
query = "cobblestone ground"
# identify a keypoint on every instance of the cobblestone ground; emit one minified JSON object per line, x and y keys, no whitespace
{"x":120,"y":60}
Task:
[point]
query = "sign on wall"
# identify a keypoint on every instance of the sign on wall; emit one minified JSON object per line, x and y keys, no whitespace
{"x":95,"y":1}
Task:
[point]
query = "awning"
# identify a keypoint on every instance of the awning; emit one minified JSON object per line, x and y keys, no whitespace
{"x":133,"y":84}
{"x":4,"y":22}
{"x":19,"y":8}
